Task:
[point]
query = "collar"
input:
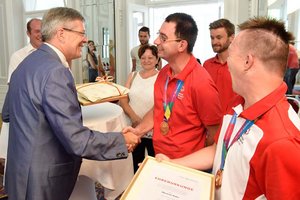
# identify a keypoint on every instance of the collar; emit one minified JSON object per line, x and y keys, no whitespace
{"x":29,"y":48}
{"x":60,"y":55}
{"x":216,"y":60}
{"x":189,"y":67}
{"x":263,"y":105}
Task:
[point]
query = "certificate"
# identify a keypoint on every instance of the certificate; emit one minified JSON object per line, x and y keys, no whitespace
{"x":168,"y":181}
{"x":99,"y":92}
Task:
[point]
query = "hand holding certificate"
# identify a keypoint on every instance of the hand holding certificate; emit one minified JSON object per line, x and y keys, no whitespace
{"x":167,"y":181}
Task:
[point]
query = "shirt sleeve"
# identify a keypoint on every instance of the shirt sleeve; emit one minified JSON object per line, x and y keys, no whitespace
{"x":206,"y":101}
{"x":278,"y":173}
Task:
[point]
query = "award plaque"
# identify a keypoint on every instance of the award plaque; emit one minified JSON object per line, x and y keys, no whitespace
{"x":165,"y":180}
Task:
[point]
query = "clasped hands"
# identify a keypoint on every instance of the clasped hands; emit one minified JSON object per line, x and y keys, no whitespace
{"x":132,"y":138}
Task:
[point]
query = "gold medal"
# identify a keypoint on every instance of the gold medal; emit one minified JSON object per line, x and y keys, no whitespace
{"x":164,"y":128}
{"x":219,"y":178}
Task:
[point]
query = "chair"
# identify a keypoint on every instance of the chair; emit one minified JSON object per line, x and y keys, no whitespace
{"x":294,"y":100}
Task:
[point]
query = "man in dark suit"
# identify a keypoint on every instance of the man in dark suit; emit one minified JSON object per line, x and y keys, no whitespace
{"x":46,"y":137}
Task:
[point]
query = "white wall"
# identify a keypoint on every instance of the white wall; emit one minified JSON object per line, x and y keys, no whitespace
{"x":238,"y":11}
{"x":121,"y":41}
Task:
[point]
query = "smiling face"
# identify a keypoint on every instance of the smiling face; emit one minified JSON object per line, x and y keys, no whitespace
{"x":220,"y":40}
{"x":75,"y":38}
{"x":34,"y":34}
{"x":236,"y":61}
{"x":148,"y":60}
{"x":91,"y":46}
{"x":167,"y":42}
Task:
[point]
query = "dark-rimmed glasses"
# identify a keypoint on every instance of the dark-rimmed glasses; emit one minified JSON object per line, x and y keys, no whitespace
{"x":163,"y":38}
{"x":83,"y":34}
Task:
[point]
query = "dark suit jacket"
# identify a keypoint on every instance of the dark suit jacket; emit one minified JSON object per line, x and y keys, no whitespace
{"x":46,"y":137}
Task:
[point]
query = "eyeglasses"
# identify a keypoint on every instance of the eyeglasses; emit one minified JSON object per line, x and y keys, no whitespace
{"x":83,"y":34}
{"x":163,"y":38}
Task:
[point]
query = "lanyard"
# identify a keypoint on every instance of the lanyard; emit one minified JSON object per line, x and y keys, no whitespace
{"x":225,"y":147}
{"x":168,"y":105}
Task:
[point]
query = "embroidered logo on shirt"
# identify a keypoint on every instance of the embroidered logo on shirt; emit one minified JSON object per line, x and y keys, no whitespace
{"x":180,"y":94}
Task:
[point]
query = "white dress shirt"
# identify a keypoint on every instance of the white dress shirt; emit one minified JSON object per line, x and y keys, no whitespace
{"x":17,"y":57}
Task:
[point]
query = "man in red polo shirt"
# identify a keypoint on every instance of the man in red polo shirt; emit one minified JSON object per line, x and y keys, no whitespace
{"x":221,"y":35}
{"x":187,"y":111}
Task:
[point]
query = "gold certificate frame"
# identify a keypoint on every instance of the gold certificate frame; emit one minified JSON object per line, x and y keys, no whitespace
{"x":168,"y":181}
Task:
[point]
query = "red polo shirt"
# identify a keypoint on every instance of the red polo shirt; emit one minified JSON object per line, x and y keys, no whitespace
{"x":196,"y":106}
{"x":221,"y":76}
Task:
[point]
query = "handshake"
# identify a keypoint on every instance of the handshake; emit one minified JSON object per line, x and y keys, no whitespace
{"x":132,"y":138}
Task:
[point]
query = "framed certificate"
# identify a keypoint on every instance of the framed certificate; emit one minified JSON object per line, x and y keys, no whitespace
{"x":168,"y":181}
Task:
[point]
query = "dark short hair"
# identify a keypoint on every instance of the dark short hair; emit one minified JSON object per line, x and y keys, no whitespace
{"x":145,"y":29}
{"x":186,"y":28}
{"x":152,"y":48}
{"x":223,"y":23}
{"x":144,"y":47}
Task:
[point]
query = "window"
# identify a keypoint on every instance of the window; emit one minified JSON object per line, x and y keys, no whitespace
{"x":36,"y":5}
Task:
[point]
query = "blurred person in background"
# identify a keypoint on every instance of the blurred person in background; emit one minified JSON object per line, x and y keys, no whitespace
{"x":144,"y":36}
{"x":94,"y":62}
{"x":292,"y":65}
{"x":35,"y":41}
{"x":221,"y":35}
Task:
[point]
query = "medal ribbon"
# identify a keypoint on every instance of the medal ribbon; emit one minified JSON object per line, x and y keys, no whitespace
{"x":228,"y":133}
{"x":169,"y":105}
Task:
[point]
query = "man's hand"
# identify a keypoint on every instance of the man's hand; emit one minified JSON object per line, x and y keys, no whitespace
{"x":130,"y":129}
{"x":131,"y":139}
